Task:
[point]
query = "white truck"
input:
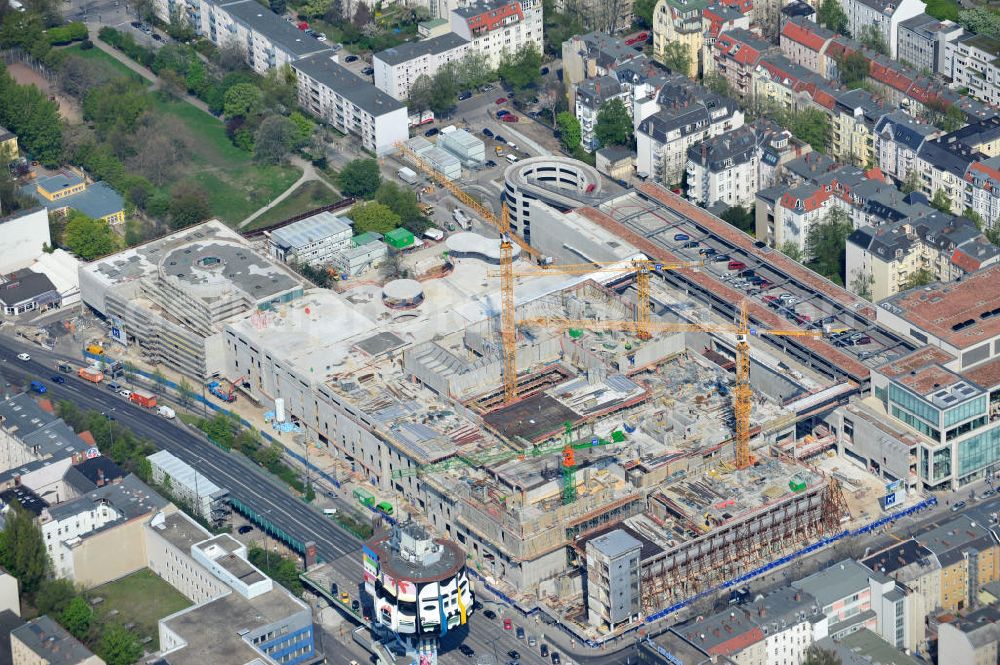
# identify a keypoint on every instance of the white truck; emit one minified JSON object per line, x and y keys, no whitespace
{"x":461,"y":219}
{"x":165,"y":411}
{"x":408,"y":175}
{"x":434,"y":234}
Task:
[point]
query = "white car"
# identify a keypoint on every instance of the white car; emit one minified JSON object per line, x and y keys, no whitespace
{"x":127,"y":394}
{"x":321,"y":37}
{"x":23,"y":356}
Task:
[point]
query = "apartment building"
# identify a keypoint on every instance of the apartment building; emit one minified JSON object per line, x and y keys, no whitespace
{"x":969,"y":553}
{"x":67,"y":191}
{"x":885,"y":15}
{"x":31,"y":436}
{"x":947,"y":247}
{"x":852,"y":127}
{"x":687,"y":116}
{"x":782,"y":84}
{"x":42,"y":641}
{"x":973,"y":62}
{"x":266,"y":39}
{"x":592,"y":55}
{"x":350,"y":104}
{"x":804,"y":42}
{"x":942,"y":163}
{"x":916,"y":568}
{"x":398,"y":67}
{"x":972,"y":639}
{"x":97,"y":537}
{"x":723,"y":170}
{"x":982,"y":190}
{"x":736,"y":55}
{"x":497,"y":27}
{"x":613,"y":592}
{"x":717,"y":19}
{"x":922,"y":42}
{"x":591,"y":95}
{"x":945,"y":399}
{"x":785,"y":214}
{"x":680,"y":21}
{"x":897,"y":138}
{"x":776,"y":147}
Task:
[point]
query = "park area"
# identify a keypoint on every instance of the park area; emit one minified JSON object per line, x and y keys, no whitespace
{"x":141,"y":599}
{"x":307,"y":196}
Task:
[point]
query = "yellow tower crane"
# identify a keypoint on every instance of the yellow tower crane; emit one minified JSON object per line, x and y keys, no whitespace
{"x":742,"y":393}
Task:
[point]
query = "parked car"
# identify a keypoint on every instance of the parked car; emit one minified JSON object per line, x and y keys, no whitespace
{"x":464,"y":95}
{"x":345,"y":597}
{"x":321,"y":37}
{"x":507,"y":624}
{"x":23,"y":356}
{"x":499,"y":139}
{"x":721,"y":258}
{"x":556,"y":660}
{"x":513,"y":653}
{"x":368,"y":71}
{"x":501,"y":113}
{"x":490,"y":614}
{"x":764,"y":284}
{"x":136,"y":24}
{"x":958,"y":506}
{"x":58,"y":378}
{"x":681,"y":237}
{"x":532,"y":641}
{"x":544,"y":649}
{"x":501,"y":100}
{"x":747,"y":274}
{"x":707,"y":251}
{"x":490,"y":163}
{"x":545,"y":70}
{"x":351,"y":58}
{"x":737,"y":265}
{"x":466,"y":650}
{"x":355,"y":605}
{"x":771,"y":301}
{"x":859,"y":339}
{"x":519,"y":633}
{"x":690,"y":244}
{"x":245,"y":529}
{"x":432,"y":131}
{"x":487,"y":132}
{"x":510,"y":117}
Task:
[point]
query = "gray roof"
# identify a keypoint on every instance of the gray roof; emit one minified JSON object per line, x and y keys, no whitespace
{"x":50,"y":642}
{"x":335,"y":76}
{"x":26,"y":286}
{"x":860,"y":99}
{"x":981,"y":627}
{"x":835,"y":581}
{"x":594,"y":92}
{"x":607,"y":50}
{"x":21,"y":415}
{"x":893,"y":559}
{"x":615,"y":543}
{"x":885,"y":6}
{"x":310,"y":230}
{"x":736,"y":147}
{"x":97,"y":201}
{"x":131,"y":497}
{"x":8,"y":622}
{"x":410,"y":50}
{"x":947,"y":153}
{"x":25,"y":497}
{"x":902,"y":128}
{"x":6,"y":134}
{"x":810,"y":166}
{"x":279,"y":31}
{"x":864,"y":647}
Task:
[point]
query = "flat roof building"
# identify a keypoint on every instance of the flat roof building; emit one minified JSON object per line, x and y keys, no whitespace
{"x":42,"y":641}
{"x":313,"y":240}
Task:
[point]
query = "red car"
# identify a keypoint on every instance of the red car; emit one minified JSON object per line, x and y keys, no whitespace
{"x":507,"y":625}
{"x":770,"y":300}
{"x":501,"y":100}
{"x":510,"y":117}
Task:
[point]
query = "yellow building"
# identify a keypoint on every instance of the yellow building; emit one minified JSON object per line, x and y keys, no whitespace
{"x":8,"y":147}
{"x":680,"y":21}
{"x":852,"y":138}
{"x":65,"y":190}
{"x":965,"y":550}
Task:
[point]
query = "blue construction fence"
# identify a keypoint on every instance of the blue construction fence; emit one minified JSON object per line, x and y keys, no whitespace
{"x":653,"y":618}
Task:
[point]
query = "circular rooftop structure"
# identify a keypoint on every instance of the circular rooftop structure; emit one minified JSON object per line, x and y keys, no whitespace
{"x":469,"y":245}
{"x":402,"y":293}
{"x":560,"y":182}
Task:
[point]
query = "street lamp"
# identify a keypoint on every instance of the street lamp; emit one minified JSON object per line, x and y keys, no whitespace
{"x":108,"y":418}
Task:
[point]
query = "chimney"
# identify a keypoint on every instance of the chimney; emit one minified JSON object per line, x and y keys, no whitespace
{"x":310,"y":554}
{"x":762,"y":611}
{"x":797,"y":596}
{"x":100,"y":477}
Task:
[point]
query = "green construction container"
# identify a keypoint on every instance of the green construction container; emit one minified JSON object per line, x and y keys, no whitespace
{"x":399,"y":238}
{"x":365,"y":238}
{"x":796,"y":484}
{"x":575,"y":333}
{"x":618,"y":436}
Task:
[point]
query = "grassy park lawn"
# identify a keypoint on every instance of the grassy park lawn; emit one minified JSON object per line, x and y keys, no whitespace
{"x":141,"y":598}
{"x":308,"y":196}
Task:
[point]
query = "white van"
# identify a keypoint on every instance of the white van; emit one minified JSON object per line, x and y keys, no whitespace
{"x":511,"y":158}
{"x":329,"y":512}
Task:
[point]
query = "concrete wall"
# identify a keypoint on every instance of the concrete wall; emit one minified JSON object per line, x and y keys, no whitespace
{"x":110,"y":554}
{"x":179,"y":570}
{"x":9,"y":598}
{"x":572,"y":239}
{"x":24,"y":234}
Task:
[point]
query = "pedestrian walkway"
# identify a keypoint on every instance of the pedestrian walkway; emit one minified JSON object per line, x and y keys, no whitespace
{"x":308,"y":174}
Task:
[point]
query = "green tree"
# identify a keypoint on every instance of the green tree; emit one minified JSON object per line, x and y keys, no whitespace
{"x":677,"y":58}
{"x":276,"y":137}
{"x":941,"y":201}
{"x":373,"y":216}
{"x":791,"y":250}
{"x":918,"y":278}
{"x":282,"y":570}
{"x":942,"y":10}
{"x":242,"y":100}
{"x":975,"y":218}
{"x":23,"y":552}
{"x":718,"y":84}
{"x":278,"y":7}
{"x":826,"y":245}
{"x":993,"y":234}
{"x":404,"y":203}
{"x":116,"y":107}
{"x":433,"y":93}
{"x":912,"y":182}
{"x":832,"y":17}
{"x":853,"y":69}
{"x":740,"y":217}
{"x":360,"y":178}
{"x":521,"y":69}
{"x":472,"y":71}
{"x":812,"y":126}
{"x":53,"y":596}
{"x":76,"y":617}
{"x":118,"y":646}
{"x":614,"y":125}
{"x":310,"y":494}
{"x":819,"y":656}
{"x":569,"y":130}
{"x":304,"y":128}
{"x":873,"y":38}
{"x":189,"y":204}
{"x":185,"y":392}
{"x":643,"y":11}
{"x":982,"y":20}
{"x":87,"y":237}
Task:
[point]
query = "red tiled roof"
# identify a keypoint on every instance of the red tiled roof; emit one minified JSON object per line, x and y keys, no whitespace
{"x":986,"y":375}
{"x":964,"y":261}
{"x":87,"y":438}
{"x":742,"y":6}
{"x":494,"y":18}
{"x":799,"y":34}
{"x":737,"y":643}
{"x":890,"y":77}
{"x":809,"y":204}
{"x":45,"y":404}
{"x":986,"y":170}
